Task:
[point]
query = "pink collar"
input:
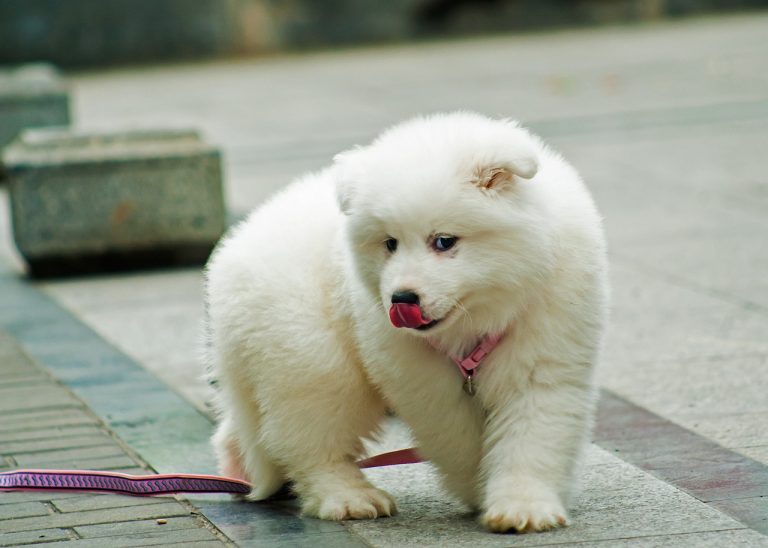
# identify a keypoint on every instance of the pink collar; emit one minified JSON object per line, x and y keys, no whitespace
{"x":474,"y":359}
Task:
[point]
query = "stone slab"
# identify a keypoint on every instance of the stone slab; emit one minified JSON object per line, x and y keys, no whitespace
{"x":101,"y":201}
{"x":58,"y":433}
{"x":24,"y":510}
{"x":165,"y":510}
{"x":31,"y":95}
{"x":752,"y":511}
{"x":34,"y":537}
{"x":617,"y":502}
{"x":740,"y":538}
{"x":82,"y":455}
{"x":15,"y":497}
{"x":53,"y":443}
{"x":96,"y":502}
{"x":125,"y":528}
{"x":659,"y":322}
{"x":23,"y":399}
{"x":693,"y":463}
{"x":160,"y":537}
{"x":201,"y":544}
{"x":41,"y":421}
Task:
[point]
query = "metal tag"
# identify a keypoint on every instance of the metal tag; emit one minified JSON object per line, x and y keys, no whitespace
{"x":469,"y":385}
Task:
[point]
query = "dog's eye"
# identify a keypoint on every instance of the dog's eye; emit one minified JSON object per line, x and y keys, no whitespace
{"x":444,"y":243}
{"x":391,"y":244}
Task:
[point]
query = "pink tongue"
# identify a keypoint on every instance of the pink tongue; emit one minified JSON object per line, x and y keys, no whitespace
{"x":406,"y":315}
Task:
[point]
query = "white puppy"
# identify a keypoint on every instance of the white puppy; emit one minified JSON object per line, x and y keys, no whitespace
{"x":349,"y":291}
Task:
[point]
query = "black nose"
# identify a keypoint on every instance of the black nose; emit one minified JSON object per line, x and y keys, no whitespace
{"x":408,"y":297}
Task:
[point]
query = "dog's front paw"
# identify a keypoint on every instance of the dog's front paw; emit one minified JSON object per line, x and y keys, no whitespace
{"x":524,"y":516}
{"x":361,"y":503}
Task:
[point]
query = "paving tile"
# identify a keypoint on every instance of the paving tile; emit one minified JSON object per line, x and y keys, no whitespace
{"x":318,"y":540}
{"x":23,"y":510}
{"x":201,"y":544}
{"x":52,"y":443}
{"x":756,"y":452}
{"x":127,"y":291}
{"x":696,"y":464}
{"x":34,"y":537}
{"x":161,"y":537}
{"x":15,"y":497}
{"x":92,"y":517}
{"x":38,"y":420}
{"x":741,"y":538}
{"x":11,"y":382}
{"x":80,"y":454}
{"x":125,"y":528}
{"x":38,"y":437}
{"x":253,"y":524}
{"x":117,"y":461}
{"x":31,"y":398}
{"x":59,"y":432}
{"x":723,"y":482}
{"x":95,"y":502}
{"x":657,"y":323}
{"x":617,"y":501}
{"x":752,"y":512}
{"x":703,"y":387}
{"x":164,"y":298}
{"x":741,"y":432}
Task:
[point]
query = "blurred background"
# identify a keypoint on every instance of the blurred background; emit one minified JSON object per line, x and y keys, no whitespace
{"x":89,"y":33}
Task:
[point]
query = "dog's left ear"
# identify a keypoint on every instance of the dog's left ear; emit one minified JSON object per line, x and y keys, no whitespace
{"x":509,"y":153}
{"x":497,"y":176}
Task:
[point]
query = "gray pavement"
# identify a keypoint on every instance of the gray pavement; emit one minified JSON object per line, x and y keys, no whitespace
{"x":668,"y":124}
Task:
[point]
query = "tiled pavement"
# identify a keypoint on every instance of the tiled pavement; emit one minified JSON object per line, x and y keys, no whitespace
{"x":50,"y":424}
{"x":141,"y":425}
{"x":668,"y":125}
{"x":45,"y":425}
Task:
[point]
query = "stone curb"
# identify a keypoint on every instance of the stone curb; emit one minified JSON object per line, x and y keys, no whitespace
{"x":88,"y":202}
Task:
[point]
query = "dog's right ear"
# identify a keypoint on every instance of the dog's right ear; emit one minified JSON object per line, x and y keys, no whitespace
{"x":345,"y":173}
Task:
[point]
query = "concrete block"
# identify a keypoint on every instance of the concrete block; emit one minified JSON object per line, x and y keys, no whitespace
{"x":31,"y":96}
{"x":85,"y":202}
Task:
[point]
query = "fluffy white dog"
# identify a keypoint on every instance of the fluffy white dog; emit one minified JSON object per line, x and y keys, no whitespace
{"x":354,"y":288}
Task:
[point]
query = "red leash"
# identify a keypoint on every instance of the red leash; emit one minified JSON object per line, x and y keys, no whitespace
{"x":157,"y":484}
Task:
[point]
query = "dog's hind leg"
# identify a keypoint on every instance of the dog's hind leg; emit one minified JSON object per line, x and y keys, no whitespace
{"x":314,"y":425}
{"x":241,"y":456}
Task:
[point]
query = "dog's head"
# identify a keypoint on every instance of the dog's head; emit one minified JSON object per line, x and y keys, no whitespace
{"x":443,"y":226}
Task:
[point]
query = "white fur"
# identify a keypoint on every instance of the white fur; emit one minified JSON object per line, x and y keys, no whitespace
{"x":308,"y":361}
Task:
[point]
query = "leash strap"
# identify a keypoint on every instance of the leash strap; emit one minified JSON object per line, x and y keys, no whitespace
{"x":157,"y":484}
{"x":114,"y":482}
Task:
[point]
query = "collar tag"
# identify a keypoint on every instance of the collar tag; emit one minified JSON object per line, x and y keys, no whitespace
{"x":469,"y":385}
{"x":474,"y":359}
